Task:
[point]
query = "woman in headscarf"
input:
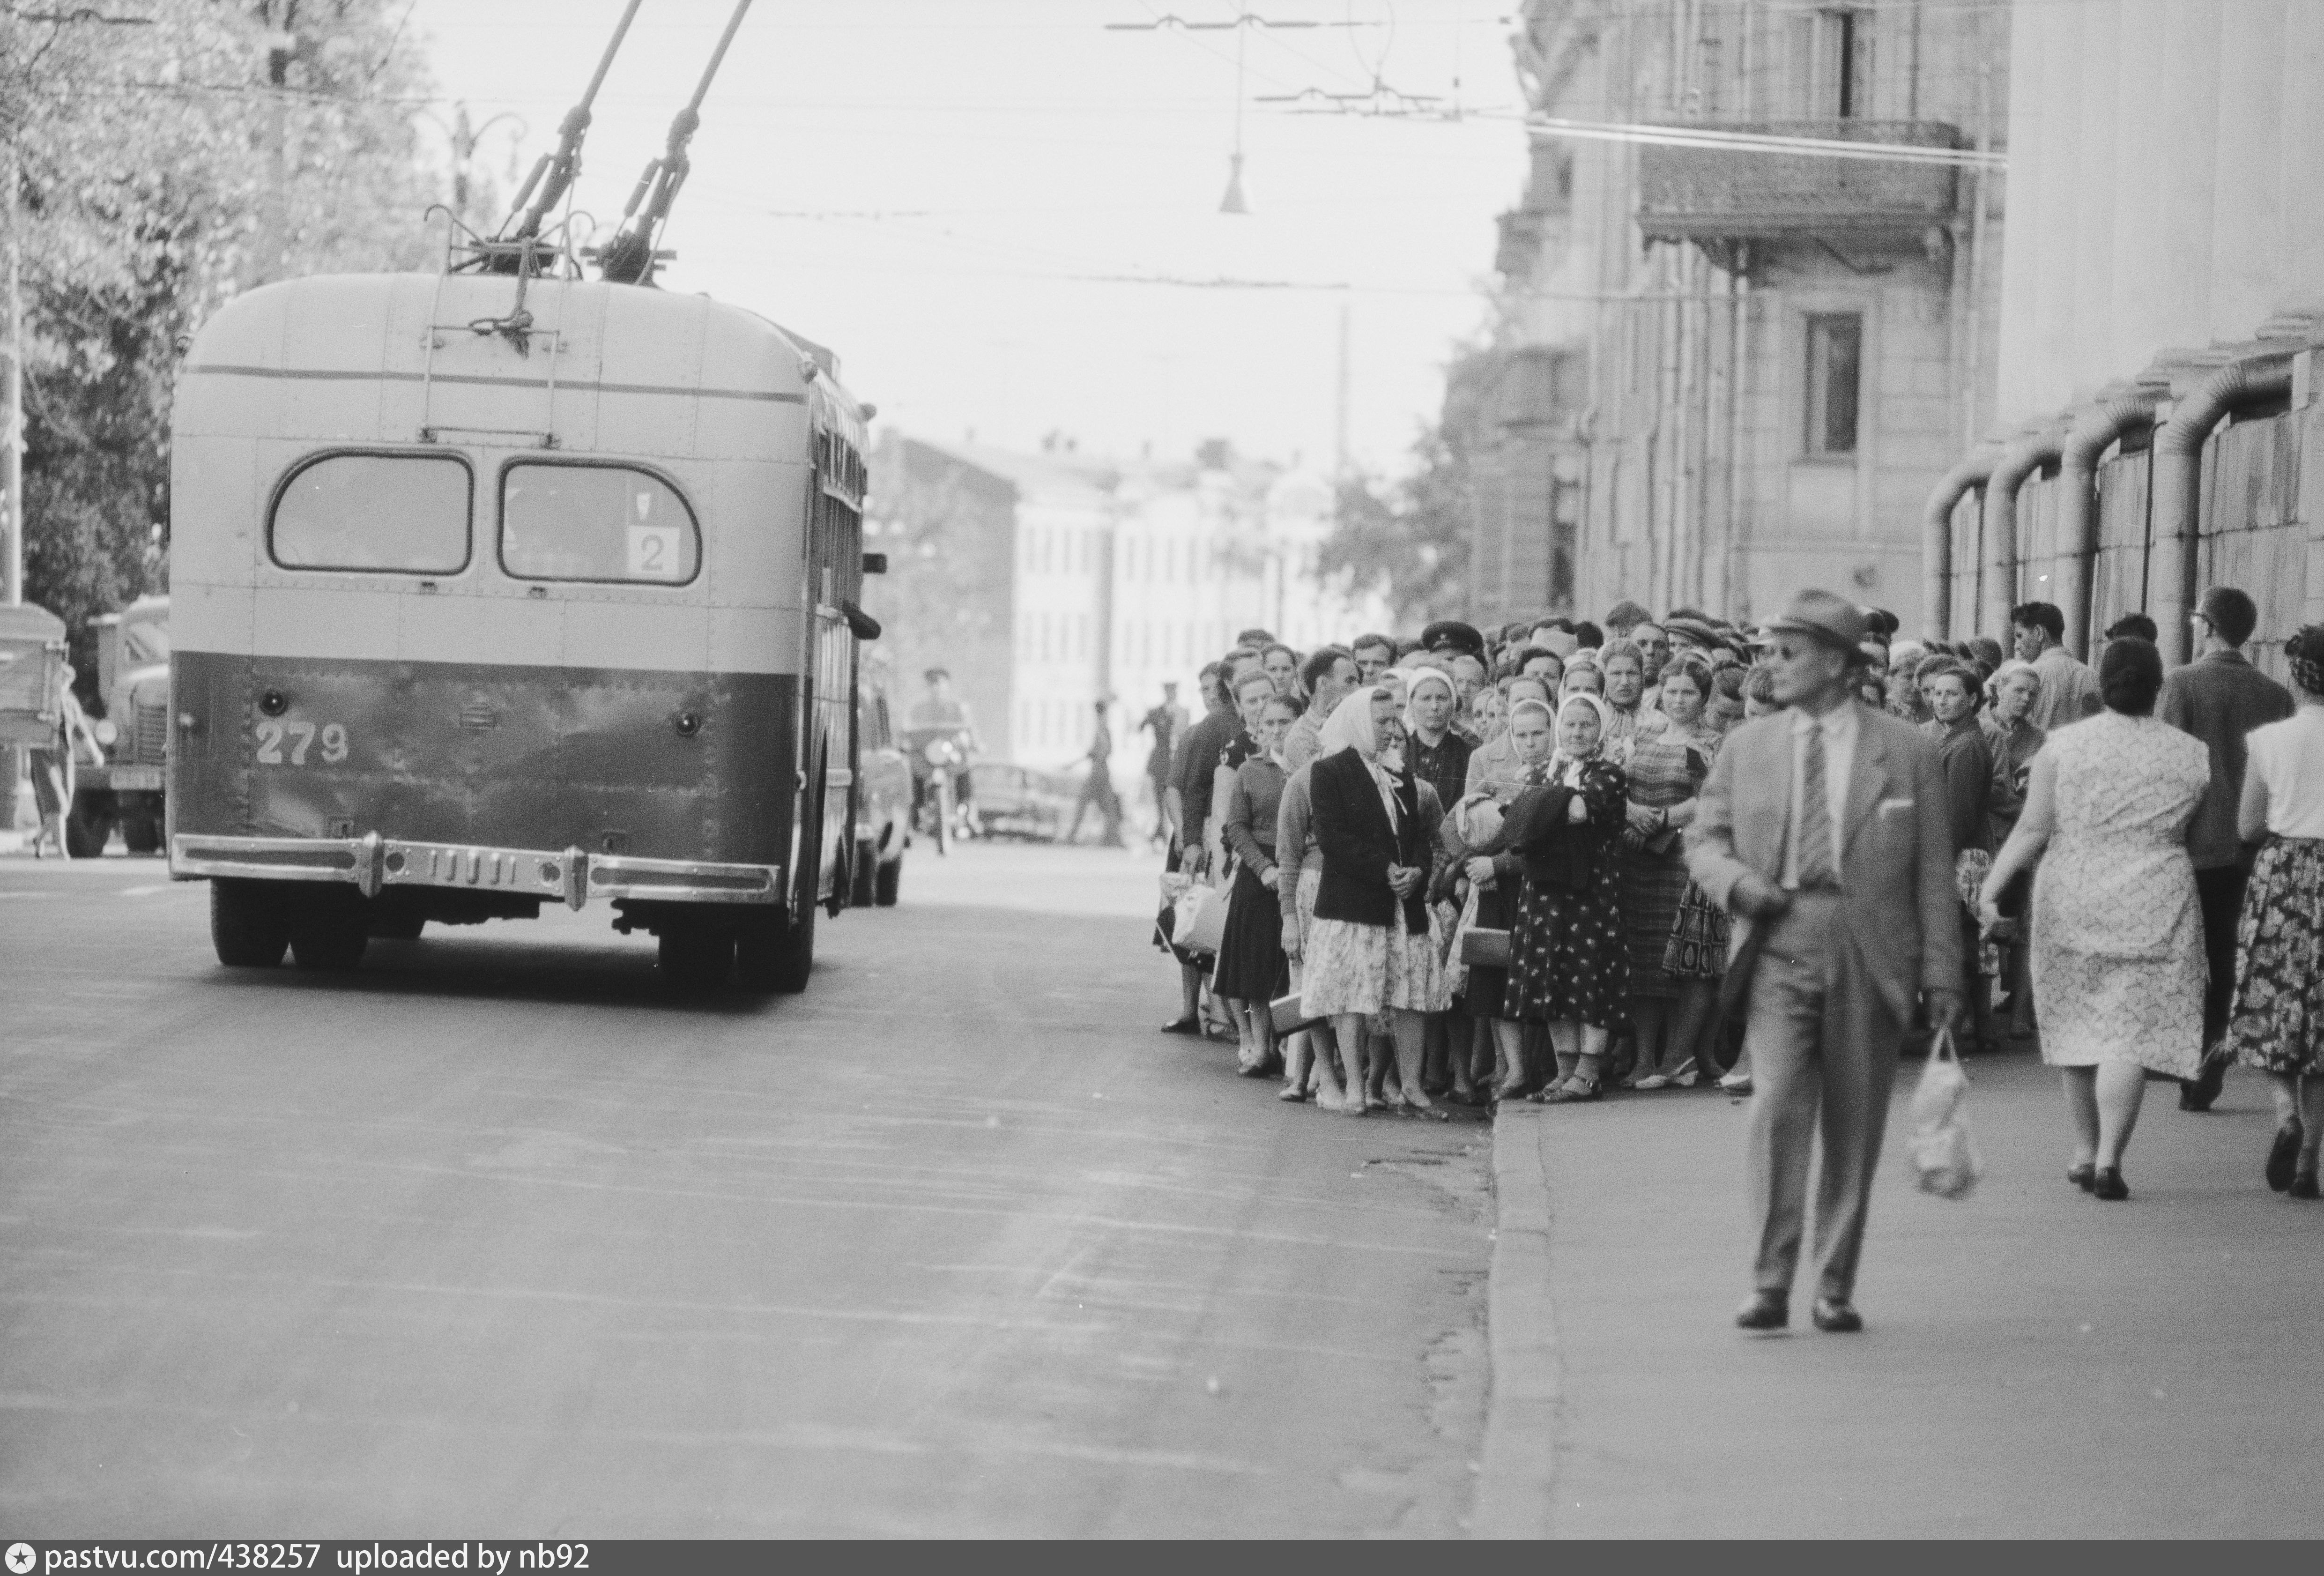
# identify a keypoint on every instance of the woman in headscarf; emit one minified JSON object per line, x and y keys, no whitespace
{"x":1494,"y":764}
{"x":1667,"y":770}
{"x":1372,"y":949}
{"x":1494,"y":877}
{"x":1437,"y":755}
{"x":1252,"y":969}
{"x":1567,"y":966}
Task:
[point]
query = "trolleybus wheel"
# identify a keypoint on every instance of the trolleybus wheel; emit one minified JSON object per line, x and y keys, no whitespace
{"x":861,"y":890}
{"x":397,"y":927}
{"x":330,"y":932}
{"x":884,"y":883}
{"x":249,"y":925}
{"x":696,"y":957}
{"x":141,"y":831}
{"x":86,"y":830}
{"x":773,"y":954}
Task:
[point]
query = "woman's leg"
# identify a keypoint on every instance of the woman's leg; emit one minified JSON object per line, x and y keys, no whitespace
{"x":1565,"y":1044}
{"x":1410,"y":1030}
{"x":2121,"y":1085}
{"x":1690,"y":1037}
{"x":2311,"y":1120}
{"x":1262,"y":1025}
{"x":2082,"y":1107}
{"x":1347,"y":1028}
{"x":1296,"y":1065}
{"x":1509,"y":1077}
{"x":1650,"y":1016}
{"x":1588,"y":1065}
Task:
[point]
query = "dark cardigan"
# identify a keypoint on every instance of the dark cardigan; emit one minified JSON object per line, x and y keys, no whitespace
{"x":1558,"y":853}
{"x":1358,"y":844}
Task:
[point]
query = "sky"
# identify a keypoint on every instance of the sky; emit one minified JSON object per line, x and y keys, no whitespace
{"x":958,"y":196}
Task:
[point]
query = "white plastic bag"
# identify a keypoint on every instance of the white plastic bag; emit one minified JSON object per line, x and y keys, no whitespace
{"x":1944,"y":1157}
{"x":1201,"y":918}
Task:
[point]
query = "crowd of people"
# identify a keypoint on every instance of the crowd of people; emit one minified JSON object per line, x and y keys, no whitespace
{"x":1467,"y":867}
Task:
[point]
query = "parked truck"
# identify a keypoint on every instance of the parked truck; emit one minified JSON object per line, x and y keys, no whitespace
{"x":133,"y":667}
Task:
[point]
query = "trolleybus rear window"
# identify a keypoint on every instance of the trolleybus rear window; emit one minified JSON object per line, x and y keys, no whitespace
{"x":596,"y":522}
{"x":405,"y":514}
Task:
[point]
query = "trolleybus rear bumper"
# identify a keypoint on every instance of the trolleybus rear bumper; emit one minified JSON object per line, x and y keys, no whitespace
{"x":372,"y":863}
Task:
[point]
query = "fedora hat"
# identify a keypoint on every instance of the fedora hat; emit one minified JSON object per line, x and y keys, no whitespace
{"x":1834,"y":620}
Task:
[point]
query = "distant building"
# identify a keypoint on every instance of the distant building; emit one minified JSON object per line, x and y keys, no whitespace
{"x":1045,"y":580}
{"x":1733,"y":371}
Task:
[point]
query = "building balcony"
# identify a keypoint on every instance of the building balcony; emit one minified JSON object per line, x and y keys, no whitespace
{"x":1706,"y":193}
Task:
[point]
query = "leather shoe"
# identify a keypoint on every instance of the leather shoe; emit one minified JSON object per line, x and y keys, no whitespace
{"x":1183,"y":1026}
{"x":2108,"y":1183}
{"x":1765,"y":1310}
{"x":2084,"y":1176}
{"x":2304,"y":1186}
{"x":1836,"y":1316}
{"x":2284,"y":1157}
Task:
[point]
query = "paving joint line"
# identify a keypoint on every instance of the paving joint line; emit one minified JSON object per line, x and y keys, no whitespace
{"x":1514,"y":1492}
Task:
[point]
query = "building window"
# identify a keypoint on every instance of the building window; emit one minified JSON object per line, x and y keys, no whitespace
{"x":1835,"y":357}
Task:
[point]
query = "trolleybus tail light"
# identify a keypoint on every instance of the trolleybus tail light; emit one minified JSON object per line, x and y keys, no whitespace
{"x":875,"y":562}
{"x":275,"y":702}
{"x":688,"y":725}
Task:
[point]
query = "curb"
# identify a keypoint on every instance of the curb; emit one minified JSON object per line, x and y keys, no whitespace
{"x":1519,"y":1457}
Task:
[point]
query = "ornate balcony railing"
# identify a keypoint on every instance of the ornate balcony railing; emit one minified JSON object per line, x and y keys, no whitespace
{"x":1695,"y":194}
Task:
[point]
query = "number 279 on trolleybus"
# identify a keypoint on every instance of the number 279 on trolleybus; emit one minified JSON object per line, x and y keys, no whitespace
{"x":493,"y":592}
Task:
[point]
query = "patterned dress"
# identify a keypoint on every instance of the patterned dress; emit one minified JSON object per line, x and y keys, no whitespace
{"x":2278,"y":1025}
{"x":2118,"y":938}
{"x":1567,"y":959}
{"x":1696,"y":947}
{"x":1665,"y":772}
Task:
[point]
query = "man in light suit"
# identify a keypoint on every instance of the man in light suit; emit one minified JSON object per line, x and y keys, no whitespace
{"x":1823,"y":829}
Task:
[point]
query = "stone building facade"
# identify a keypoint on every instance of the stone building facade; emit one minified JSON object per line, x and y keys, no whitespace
{"x":1769,"y":340}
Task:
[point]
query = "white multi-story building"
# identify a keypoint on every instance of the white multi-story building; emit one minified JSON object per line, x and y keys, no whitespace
{"x":1044,"y":581}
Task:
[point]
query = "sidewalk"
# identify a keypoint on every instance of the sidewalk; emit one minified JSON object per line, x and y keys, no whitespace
{"x":2036,"y":1363}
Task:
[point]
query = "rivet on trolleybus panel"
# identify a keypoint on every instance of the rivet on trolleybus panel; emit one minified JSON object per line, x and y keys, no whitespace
{"x":275,"y":702}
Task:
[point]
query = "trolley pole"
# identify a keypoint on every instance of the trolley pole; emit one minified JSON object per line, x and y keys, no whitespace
{"x":13,"y":760}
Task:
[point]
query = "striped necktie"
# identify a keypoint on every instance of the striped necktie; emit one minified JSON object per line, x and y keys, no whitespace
{"x":1815,"y":819}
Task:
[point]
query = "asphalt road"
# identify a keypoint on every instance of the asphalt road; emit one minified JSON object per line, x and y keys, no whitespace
{"x":495,"y":1238}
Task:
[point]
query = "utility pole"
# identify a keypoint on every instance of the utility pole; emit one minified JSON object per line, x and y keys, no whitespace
{"x":273,"y":202}
{"x":1339,"y":404}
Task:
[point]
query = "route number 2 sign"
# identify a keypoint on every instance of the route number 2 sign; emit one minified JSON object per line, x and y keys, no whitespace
{"x":655,"y":546}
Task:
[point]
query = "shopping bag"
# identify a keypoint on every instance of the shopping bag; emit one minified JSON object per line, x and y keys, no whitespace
{"x":1289,"y":1018}
{"x":1200,"y":921}
{"x":1945,"y":1158}
{"x":1485,"y":949}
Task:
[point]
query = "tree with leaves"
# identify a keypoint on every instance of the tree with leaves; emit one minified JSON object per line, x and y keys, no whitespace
{"x":1409,"y":540}
{"x":167,"y":157}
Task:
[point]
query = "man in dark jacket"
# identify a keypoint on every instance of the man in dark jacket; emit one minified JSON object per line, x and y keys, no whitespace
{"x":2220,"y":697}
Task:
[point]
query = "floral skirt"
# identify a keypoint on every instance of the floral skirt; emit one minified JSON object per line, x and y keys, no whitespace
{"x":1373,"y":968}
{"x":1568,"y":962}
{"x":2278,"y":1022}
{"x":1697,"y":949}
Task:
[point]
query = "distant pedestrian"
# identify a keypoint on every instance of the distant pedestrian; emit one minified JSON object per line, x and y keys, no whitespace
{"x":2219,"y":698}
{"x":1164,"y":723}
{"x":54,"y":769}
{"x":1097,"y":788}
{"x":2278,"y":1023}
{"x":2118,"y":935}
{"x":1823,"y":828}
{"x":2069,"y":690}
{"x":1954,"y":695}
